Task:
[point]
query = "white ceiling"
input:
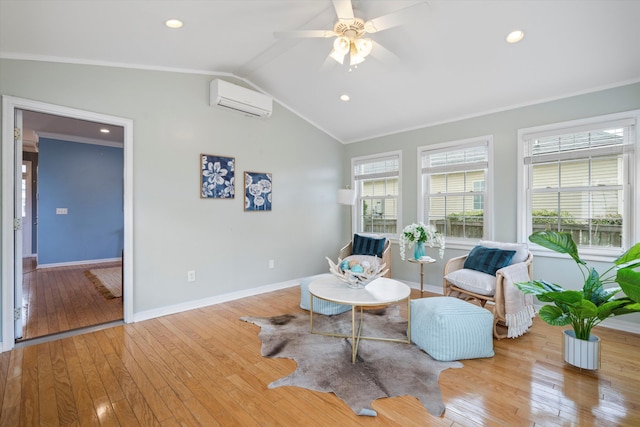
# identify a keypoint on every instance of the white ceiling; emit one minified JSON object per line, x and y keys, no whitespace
{"x":449,"y":60}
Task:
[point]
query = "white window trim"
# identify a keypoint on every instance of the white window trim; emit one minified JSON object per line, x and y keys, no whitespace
{"x":632,"y":232}
{"x":354,"y":212}
{"x":489,"y":188}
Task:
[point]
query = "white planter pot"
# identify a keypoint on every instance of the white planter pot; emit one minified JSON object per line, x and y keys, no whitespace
{"x":581,"y":353}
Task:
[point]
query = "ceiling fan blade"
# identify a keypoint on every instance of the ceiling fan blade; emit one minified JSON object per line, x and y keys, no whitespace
{"x":383,"y":54}
{"x":344,"y":10}
{"x":392,"y":19}
{"x":304,"y":34}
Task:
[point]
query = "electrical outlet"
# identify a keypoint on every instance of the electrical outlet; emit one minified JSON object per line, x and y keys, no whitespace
{"x":271,"y":263}
{"x":191,"y":276}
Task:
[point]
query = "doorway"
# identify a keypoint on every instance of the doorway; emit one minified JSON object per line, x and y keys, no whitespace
{"x":79,"y":228}
{"x":14,"y":212}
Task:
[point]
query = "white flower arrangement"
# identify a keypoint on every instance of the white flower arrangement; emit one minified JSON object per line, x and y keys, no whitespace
{"x":421,"y":233}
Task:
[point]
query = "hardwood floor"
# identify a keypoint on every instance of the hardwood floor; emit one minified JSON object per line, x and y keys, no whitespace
{"x":62,"y":299}
{"x":203,"y":367}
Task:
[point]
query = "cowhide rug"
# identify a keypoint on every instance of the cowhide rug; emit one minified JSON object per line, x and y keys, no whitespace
{"x":382,"y":369}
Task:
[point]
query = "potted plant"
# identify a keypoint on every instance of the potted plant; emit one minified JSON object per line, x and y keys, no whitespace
{"x":583,"y":309}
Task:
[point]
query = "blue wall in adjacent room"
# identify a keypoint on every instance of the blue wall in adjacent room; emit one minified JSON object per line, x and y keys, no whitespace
{"x":88,"y":181}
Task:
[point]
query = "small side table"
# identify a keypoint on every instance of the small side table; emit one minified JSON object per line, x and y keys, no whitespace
{"x":422,"y":262}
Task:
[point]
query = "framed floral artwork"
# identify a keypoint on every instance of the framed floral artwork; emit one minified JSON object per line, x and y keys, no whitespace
{"x":217,"y":177}
{"x":257,"y":191}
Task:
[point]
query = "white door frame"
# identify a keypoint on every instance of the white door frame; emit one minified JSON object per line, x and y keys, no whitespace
{"x":9,"y":105}
{"x":27,"y":223}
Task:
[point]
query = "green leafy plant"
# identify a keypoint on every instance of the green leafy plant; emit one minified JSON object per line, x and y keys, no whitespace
{"x":608,"y":219}
{"x":586,"y":308}
{"x":470,"y":216}
{"x":546,"y":216}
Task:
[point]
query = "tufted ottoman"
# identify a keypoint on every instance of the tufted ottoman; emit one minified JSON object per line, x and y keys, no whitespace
{"x":320,"y":306}
{"x":448,"y":328}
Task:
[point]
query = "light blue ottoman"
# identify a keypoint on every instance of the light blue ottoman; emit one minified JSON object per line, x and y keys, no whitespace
{"x":448,"y":328}
{"x":319,"y":306}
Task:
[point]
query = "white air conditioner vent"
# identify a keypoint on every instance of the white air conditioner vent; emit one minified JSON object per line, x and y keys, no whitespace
{"x":230,"y":96}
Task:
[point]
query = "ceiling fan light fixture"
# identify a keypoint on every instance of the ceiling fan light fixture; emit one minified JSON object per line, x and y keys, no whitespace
{"x":338,"y":56}
{"x":341,"y":44}
{"x":364,"y":47}
{"x":355,"y":57}
{"x":340,"y":49}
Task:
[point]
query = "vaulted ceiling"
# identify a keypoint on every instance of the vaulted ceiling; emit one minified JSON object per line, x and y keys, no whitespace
{"x":447,"y":60}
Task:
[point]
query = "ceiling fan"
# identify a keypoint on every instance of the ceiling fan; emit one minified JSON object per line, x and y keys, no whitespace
{"x":349,"y":31}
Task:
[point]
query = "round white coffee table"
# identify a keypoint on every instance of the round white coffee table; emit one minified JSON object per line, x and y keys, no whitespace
{"x":381,"y":291}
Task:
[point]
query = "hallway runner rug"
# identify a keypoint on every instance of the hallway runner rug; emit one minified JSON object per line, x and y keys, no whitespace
{"x":108,"y":281}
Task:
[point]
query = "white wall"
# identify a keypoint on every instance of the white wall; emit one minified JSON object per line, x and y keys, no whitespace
{"x":176,"y":231}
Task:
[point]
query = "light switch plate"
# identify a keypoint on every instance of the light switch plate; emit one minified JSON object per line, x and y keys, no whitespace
{"x":61,"y":211}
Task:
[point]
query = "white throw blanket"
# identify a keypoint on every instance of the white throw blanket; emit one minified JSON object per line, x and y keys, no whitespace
{"x":518,"y":306}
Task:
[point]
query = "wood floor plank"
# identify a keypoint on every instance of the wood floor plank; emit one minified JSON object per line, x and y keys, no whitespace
{"x":188,"y":412}
{"x":60,"y":299}
{"x":47,"y":398}
{"x":87,"y":415}
{"x":203,"y":367}
{"x":163,"y":370}
{"x":139,"y":405}
{"x":99,"y":395}
{"x":124,"y":414}
{"x":65,"y":400}
{"x":5,"y":358}
{"x":13,"y":389}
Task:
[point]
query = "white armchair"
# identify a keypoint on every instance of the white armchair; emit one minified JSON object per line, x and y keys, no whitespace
{"x":347,"y":250}
{"x":473,"y":285}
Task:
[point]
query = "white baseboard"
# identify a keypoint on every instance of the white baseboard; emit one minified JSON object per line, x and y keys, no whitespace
{"x":620,"y":325}
{"x":434,"y":289}
{"x":205,"y":302}
{"x":72,"y":263}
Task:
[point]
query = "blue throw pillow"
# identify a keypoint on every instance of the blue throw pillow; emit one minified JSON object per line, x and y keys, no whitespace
{"x":363,"y":245}
{"x":488,"y":260}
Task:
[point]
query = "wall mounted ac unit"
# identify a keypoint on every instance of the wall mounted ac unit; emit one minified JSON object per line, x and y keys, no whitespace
{"x":227,"y":95}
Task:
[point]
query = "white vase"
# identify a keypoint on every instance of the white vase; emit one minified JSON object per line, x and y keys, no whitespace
{"x":581,"y":353}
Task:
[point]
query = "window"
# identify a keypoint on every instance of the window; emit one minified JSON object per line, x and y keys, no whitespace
{"x":455,"y":179}
{"x":377,"y":183}
{"x":478,"y":200}
{"x":577,"y":178}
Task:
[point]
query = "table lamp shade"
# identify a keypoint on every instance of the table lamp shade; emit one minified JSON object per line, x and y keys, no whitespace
{"x":346,"y":196}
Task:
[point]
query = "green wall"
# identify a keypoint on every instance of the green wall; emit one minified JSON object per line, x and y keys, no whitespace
{"x":504,"y":128}
{"x":176,"y":231}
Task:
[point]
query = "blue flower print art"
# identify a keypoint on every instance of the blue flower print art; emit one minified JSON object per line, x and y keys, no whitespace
{"x":217,"y":177}
{"x":257,"y":191}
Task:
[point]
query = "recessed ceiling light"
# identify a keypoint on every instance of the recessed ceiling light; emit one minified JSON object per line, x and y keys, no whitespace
{"x":344,"y":97}
{"x":105,"y":130}
{"x":515,"y":36}
{"x":173,"y":23}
